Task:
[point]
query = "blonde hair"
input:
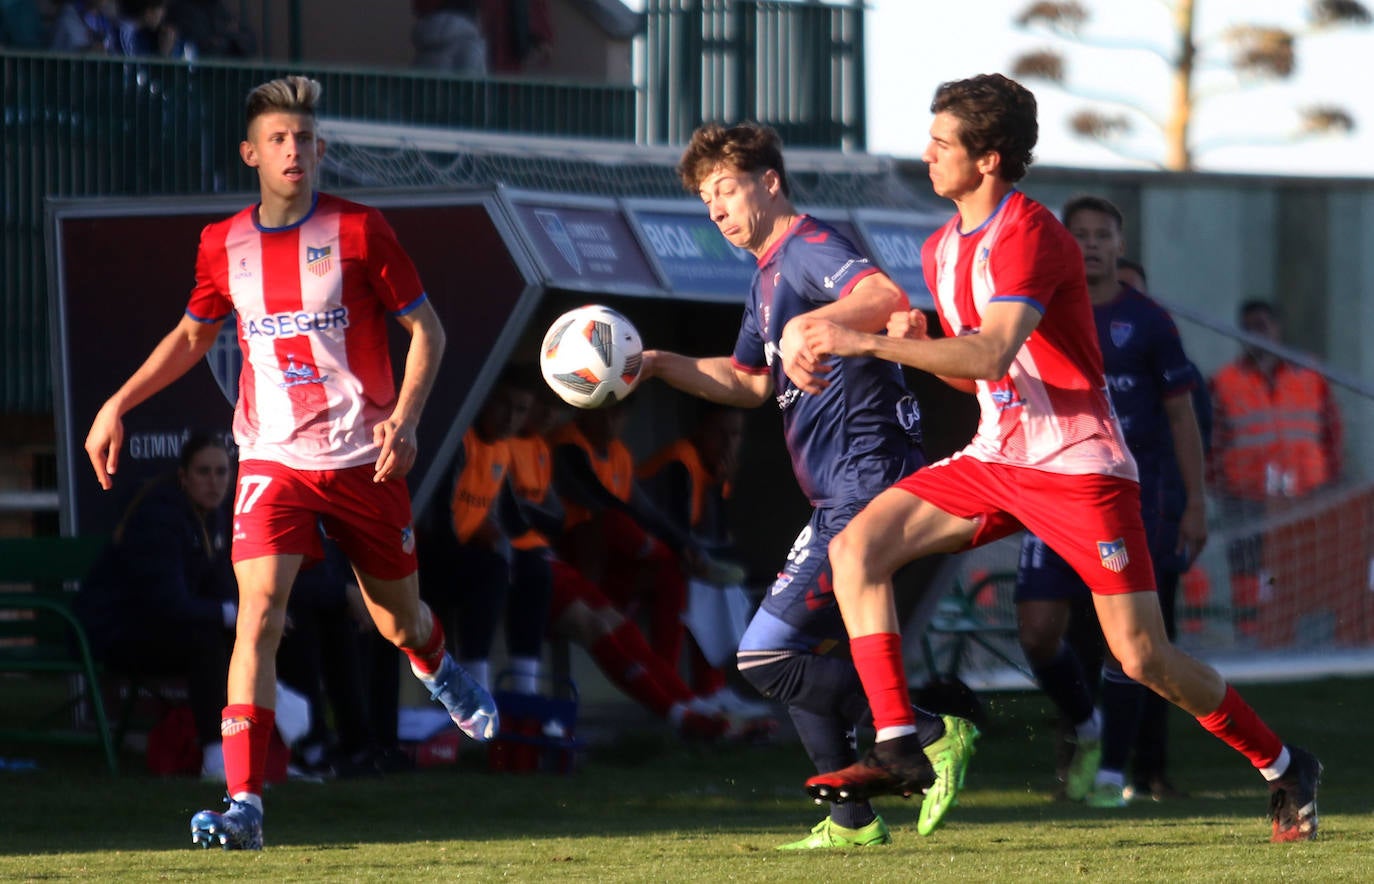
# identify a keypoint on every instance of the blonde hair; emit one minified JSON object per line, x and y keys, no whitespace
{"x":292,"y":95}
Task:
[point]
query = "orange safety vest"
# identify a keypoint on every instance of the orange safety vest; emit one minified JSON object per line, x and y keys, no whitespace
{"x":478,"y":484}
{"x":684,"y":452}
{"x":1273,"y":439}
{"x":531,"y":475}
{"x":616,"y":469}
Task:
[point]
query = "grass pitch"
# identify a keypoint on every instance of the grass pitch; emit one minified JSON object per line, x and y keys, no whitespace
{"x":649,"y":809}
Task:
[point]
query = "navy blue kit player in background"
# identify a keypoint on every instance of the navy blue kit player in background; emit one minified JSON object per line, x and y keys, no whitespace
{"x":847,"y":443}
{"x":1151,"y":383}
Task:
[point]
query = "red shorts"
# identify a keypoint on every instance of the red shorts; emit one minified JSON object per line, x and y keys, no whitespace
{"x":1092,"y":521}
{"x":278,"y":511}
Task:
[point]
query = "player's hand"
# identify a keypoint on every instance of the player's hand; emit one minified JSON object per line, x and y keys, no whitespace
{"x":396,"y":443}
{"x":908,"y":324}
{"x":103,"y":442}
{"x":801,"y":362}
{"x":1192,"y":532}
{"x":825,"y":338}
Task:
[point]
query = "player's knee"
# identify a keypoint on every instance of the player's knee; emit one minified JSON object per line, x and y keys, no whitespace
{"x":1142,"y":662}
{"x":848,"y":552}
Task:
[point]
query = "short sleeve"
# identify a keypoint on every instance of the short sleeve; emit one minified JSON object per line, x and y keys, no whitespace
{"x":1034,"y":263}
{"x":392,"y":273}
{"x":209,"y":301}
{"x":749,"y":354}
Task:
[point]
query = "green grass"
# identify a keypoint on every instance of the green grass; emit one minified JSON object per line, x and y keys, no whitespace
{"x":649,"y":809}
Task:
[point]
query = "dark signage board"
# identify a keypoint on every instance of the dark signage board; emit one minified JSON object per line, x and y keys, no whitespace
{"x":694,"y":258}
{"x":894,"y":240}
{"x":123,"y":272}
{"x":584,"y":244}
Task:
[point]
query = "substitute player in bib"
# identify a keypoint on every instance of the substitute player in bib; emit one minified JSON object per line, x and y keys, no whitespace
{"x":847,"y":441}
{"x":322,"y":431}
{"x":1049,"y":454}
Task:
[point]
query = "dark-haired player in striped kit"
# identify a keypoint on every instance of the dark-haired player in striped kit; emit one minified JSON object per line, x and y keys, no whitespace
{"x":323,"y":432}
{"x":1049,"y":454}
{"x":848,"y":442}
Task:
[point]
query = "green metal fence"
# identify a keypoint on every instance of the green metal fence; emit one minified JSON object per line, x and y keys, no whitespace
{"x":82,"y":126}
{"x":797,"y":66}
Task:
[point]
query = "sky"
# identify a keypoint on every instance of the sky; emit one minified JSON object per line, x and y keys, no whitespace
{"x":1248,"y":125}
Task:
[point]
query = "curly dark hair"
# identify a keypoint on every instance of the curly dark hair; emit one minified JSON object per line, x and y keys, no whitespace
{"x":746,"y":146}
{"x":995,"y":113}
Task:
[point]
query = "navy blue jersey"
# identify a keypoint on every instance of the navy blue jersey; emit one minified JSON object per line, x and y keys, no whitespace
{"x":1144,"y":363}
{"x":857,"y":437}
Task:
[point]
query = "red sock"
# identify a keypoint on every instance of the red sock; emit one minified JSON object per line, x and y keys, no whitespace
{"x":878,"y":657}
{"x":1238,"y":726}
{"x":631,"y":666}
{"x":429,"y":657}
{"x":246,"y":730}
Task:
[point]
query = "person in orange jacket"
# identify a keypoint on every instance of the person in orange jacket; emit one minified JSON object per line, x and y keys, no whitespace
{"x":1277,"y":437}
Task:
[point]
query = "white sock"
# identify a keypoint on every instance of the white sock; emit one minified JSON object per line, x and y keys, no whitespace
{"x":248,"y":798}
{"x":524,"y":675}
{"x":895,"y":731}
{"x":1279,"y":767}
{"x":480,"y":670}
{"x":1114,"y":778}
{"x":676,"y":713}
{"x":1090,"y":728}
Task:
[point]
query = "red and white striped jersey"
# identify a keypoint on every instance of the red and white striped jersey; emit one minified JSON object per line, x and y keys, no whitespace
{"x":1051,"y":410}
{"x":311,"y":301}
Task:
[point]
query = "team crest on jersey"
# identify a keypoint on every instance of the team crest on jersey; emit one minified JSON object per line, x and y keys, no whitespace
{"x":408,"y":540}
{"x":1113,"y":554}
{"x":296,"y":375}
{"x":319,"y":260}
{"x":1121,"y":332}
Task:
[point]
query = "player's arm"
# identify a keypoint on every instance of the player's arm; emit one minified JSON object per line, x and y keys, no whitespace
{"x":986,"y":355}
{"x":395,"y":436}
{"x":1183,"y":426}
{"x":913,"y":324}
{"x":174,"y":355}
{"x":866,"y":308}
{"x":716,"y":378}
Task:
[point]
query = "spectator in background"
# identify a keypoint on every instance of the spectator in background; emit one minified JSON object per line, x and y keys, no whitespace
{"x":691,"y":479}
{"x":447,"y":37}
{"x":479,"y":594}
{"x":209,"y":29}
{"x":613,"y":534}
{"x":519,"y":35}
{"x":142,"y":29}
{"x":21,"y":25}
{"x":85,"y":26}
{"x":580,"y":612}
{"x":1277,"y":438}
{"x":161,"y":600}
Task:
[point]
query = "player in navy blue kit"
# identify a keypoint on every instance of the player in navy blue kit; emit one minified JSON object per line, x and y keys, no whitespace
{"x":1151,"y":383}
{"x":847,"y":443}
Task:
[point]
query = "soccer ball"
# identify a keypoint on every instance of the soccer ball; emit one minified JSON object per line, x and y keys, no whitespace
{"x":591,"y":356}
